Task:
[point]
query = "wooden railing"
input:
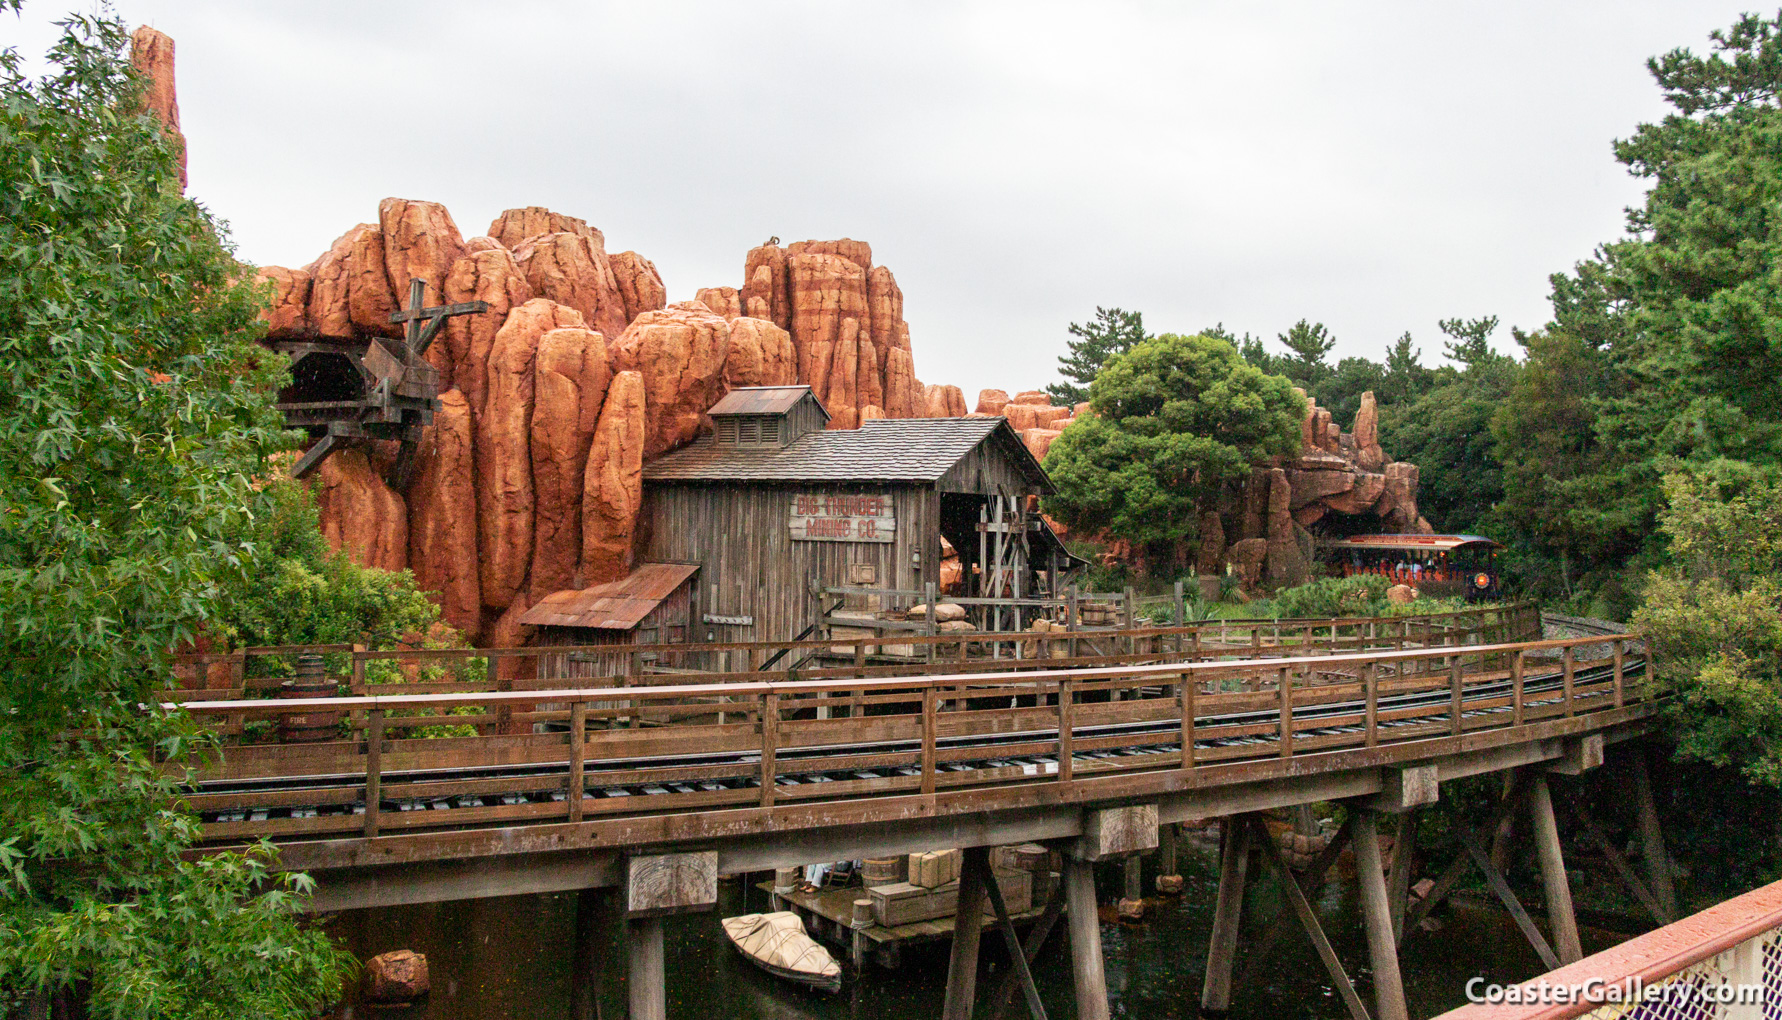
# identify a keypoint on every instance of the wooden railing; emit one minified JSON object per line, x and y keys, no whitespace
{"x":571,"y":755}
{"x":226,"y":675}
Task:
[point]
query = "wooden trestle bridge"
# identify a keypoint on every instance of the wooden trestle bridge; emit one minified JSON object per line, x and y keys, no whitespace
{"x":657,"y":783}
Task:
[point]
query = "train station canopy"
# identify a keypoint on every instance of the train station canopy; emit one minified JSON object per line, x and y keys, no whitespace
{"x":1413,"y":543}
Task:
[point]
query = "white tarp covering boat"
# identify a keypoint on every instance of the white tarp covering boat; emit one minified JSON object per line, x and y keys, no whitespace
{"x":777,"y":944}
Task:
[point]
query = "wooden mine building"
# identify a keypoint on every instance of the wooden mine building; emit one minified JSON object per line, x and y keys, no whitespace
{"x":774,"y":508}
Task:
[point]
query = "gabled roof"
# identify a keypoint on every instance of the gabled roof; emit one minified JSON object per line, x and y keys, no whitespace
{"x":615,"y":605}
{"x":764,"y":400}
{"x":1434,"y":543}
{"x":880,"y":450}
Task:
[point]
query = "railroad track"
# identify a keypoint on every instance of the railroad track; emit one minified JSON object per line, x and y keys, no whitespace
{"x":740,"y":770}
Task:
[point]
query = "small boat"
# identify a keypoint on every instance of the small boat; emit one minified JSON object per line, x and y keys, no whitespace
{"x":777,"y":944}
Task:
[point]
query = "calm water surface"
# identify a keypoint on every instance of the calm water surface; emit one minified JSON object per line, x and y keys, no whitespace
{"x":511,"y":959}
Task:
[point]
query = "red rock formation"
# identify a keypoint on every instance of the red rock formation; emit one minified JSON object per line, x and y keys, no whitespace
{"x":903,"y":397}
{"x":871,"y":412}
{"x":884,"y":300}
{"x":505,"y":496}
{"x":1367,"y":435}
{"x":1210,"y":547}
{"x":680,"y":353}
{"x":461,"y":352}
{"x":359,"y":513}
{"x":943,"y":401}
{"x":1312,"y":486}
{"x":725,"y":301}
{"x":992,"y":402}
{"x":640,"y":285}
{"x":767,"y":286}
{"x":613,"y":486}
{"x":857,"y":252}
{"x":151,"y":53}
{"x":442,"y":528}
{"x":1246,"y":559}
{"x":841,"y":394}
{"x":349,"y":292}
{"x":826,"y":291}
{"x":761,"y":354}
{"x":1039,"y":441}
{"x":573,"y":270}
{"x":1039,"y":398}
{"x":1021,"y":416}
{"x":288,"y":315}
{"x":420,"y":242}
{"x":571,"y":376}
{"x":1286,"y":561}
{"x":514,"y":226}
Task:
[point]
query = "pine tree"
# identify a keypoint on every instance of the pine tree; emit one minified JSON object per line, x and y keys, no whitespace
{"x":1308,"y":344}
{"x":1113,"y":331}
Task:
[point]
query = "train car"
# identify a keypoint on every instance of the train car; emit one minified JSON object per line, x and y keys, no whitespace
{"x":1449,"y":565}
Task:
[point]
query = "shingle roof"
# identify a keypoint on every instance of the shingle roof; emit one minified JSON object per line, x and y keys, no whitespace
{"x":880,"y":450}
{"x":615,"y":605}
{"x":763,"y":400}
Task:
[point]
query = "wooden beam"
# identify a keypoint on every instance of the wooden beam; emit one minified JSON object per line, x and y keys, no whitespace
{"x":1017,"y":953}
{"x":1389,"y":989}
{"x":1512,"y":799}
{"x":1658,"y":866}
{"x":1308,"y":919}
{"x":1501,"y":887}
{"x":1086,"y":968}
{"x":1574,"y":806}
{"x":1036,"y":940}
{"x":962,"y":965}
{"x":1313,"y":881}
{"x":646,"y":980}
{"x":1553,"y":877}
{"x":1234,"y":862}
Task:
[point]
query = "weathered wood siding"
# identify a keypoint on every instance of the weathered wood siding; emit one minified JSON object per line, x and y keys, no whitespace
{"x":750,"y":566}
{"x":804,"y":416}
{"x":987,"y":471}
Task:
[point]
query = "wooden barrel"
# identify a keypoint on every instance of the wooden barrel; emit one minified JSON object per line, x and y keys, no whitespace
{"x":311,"y":682}
{"x":884,"y":870}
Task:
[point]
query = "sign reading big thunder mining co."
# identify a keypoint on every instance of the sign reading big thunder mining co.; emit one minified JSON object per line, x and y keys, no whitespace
{"x":843,"y":518}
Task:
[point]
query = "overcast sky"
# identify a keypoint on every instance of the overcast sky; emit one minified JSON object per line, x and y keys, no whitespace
{"x":1374,"y":166}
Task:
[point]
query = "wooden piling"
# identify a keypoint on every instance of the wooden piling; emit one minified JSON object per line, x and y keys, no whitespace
{"x":645,"y":980}
{"x":1553,"y":878}
{"x":1234,"y":862}
{"x":1086,"y":968}
{"x":1658,"y":868}
{"x":1376,"y":907}
{"x":962,"y":967}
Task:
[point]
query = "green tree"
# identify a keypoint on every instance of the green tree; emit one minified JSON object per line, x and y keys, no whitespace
{"x":1112,"y":332}
{"x":1446,"y":431}
{"x":1406,"y":378}
{"x":1714,"y":615}
{"x":1176,"y":418}
{"x":1340,"y":391}
{"x":1308,"y":345}
{"x":133,"y":420}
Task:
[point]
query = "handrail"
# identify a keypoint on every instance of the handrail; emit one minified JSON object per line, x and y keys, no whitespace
{"x":1185,"y":630}
{"x":1029,"y":678}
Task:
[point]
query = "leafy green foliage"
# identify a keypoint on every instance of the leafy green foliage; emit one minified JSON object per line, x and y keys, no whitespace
{"x":133,"y":418}
{"x":1176,"y":417}
{"x":1714,"y":615}
{"x":1360,"y":595}
{"x":1308,"y":344}
{"x":1113,"y":332}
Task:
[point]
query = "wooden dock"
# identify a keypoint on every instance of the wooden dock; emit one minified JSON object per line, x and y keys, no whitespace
{"x":835,"y":907}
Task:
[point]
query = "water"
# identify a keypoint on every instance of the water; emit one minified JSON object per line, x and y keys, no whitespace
{"x":511,"y":959}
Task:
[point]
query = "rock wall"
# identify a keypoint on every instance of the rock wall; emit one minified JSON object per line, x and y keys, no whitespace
{"x":151,"y":53}
{"x":530,"y":478}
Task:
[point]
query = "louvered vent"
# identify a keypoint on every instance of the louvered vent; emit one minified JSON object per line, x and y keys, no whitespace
{"x":747,"y":430}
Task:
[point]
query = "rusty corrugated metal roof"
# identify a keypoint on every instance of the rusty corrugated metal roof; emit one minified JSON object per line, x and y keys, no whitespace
{"x":615,"y":605}
{"x":764,"y":400}
{"x":880,"y":450}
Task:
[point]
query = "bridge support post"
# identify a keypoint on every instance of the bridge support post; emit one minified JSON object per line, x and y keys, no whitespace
{"x":1376,"y":906}
{"x":1234,"y":862}
{"x":654,"y":887}
{"x":588,"y":965}
{"x":1557,"y":887}
{"x":968,"y":924}
{"x":1086,"y":968}
{"x":1658,"y":861}
{"x":645,"y":981}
